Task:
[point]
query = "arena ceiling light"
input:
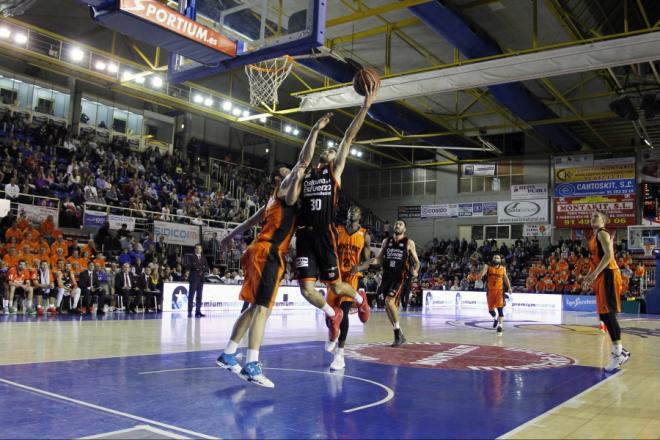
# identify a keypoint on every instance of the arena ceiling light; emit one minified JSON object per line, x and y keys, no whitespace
{"x":262,"y":117}
{"x":226,"y":106}
{"x":76,"y":54}
{"x":296,"y":132}
{"x":330,"y":144}
{"x":113,"y":68}
{"x":208,"y":102}
{"x":157,"y":82}
{"x":100,"y":65}
{"x":246,"y":113}
{"x":236,"y":111}
{"x":5,"y":32}
{"x":139,"y":79}
{"x":198,"y":99}
{"x":288,"y":129}
{"x":20,"y":38}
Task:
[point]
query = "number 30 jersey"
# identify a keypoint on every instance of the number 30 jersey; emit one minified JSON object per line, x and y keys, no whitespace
{"x":319,"y":198}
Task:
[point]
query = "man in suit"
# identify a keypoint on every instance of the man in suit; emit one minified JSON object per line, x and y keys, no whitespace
{"x":90,"y":285}
{"x":126,"y":285}
{"x":198,"y":266}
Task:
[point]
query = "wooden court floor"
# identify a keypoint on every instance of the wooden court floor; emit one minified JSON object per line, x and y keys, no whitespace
{"x":453,"y":350}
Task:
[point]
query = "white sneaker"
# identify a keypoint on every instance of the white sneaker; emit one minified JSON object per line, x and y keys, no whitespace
{"x":338,"y":363}
{"x":330,"y":346}
{"x":616,"y":361}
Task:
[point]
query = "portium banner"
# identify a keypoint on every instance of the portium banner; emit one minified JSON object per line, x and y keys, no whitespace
{"x":575,"y":212}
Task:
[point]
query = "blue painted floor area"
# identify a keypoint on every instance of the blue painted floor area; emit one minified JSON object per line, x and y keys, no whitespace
{"x":428,"y":403}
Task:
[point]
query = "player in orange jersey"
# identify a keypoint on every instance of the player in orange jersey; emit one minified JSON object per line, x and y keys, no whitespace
{"x":605,"y":280}
{"x":263,"y":261}
{"x":495,"y":282}
{"x":20,"y":280}
{"x":353,"y":245}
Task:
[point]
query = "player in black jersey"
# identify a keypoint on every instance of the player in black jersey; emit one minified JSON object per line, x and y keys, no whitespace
{"x":316,"y":237}
{"x":394,"y":255}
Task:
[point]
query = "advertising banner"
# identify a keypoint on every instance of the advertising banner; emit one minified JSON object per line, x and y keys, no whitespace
{"x":532,"y":191}
{"x":440,"y":211}
{"x":162,"y":15}
{"x":479,"y":170}
{"x":410,"y":211}
{"x":490,"y":209}
{"x":465,"y":209}
{"x":95,"y":219}
{"x":477,"y":300}
{"x":523,"y":211}
{"x":604,"y":169}
{"x":575,"y":212}
{"x":37,"y":214}
{"x":605,"y":187}
{"x":579,"y":303}
{"x":537,"y":230}
{"x":225,"y":297}
{"x":477,"y":210}
{"x":175,"y":233}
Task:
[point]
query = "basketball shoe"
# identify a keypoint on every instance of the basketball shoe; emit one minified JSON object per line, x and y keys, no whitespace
{"x":363,"y":309}
{"x":252,"y":372}
{"x":229,"y":362}
{"x":333,"y":323}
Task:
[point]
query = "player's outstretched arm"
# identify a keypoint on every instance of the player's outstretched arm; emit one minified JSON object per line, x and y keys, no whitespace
{"x":291,"y":185}
{"x":248,"y":224}
{"x":483,"y":272}
{"x":376,"y":261}
{"x":351,"y":133}
{"x":412,"y":251}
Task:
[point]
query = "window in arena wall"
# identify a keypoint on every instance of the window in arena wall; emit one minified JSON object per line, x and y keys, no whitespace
{"x":507,"y":173}
{"x":497,"y":232}
{"x":396,"y":183}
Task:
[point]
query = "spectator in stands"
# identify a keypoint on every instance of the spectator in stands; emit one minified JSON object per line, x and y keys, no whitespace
{"x":126,"y":285}
{"x":12,"y":190}
{"x":153,"y":290}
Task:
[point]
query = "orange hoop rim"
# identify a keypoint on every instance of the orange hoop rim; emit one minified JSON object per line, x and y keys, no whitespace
{"x":288,"y":59}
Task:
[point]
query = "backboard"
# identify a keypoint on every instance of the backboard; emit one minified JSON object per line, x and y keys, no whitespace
{"x":263,"y":29}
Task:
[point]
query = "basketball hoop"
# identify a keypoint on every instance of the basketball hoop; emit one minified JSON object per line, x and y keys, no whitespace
{"x":648,"y":249}
{"x":265,"y":79}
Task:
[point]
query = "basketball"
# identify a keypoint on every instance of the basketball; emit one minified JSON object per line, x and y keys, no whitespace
{"x":363,"y":78}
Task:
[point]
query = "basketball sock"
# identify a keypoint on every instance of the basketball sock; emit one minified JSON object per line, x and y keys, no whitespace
{"x":329,"y":311}
{"x":340,"y":351}
{"x":396,"y":326}
{"x":492,"y":313}
{"x":500,"y":319}
{"x":28,"y":303}
{"x":231,"y":347}
{"x":618,"y":348}
{"x":358,"y":299}
{"x":252,"y":355}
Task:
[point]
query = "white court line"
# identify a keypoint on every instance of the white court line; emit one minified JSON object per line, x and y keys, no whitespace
{"x":388,"y":390}
{"x":104,"y":409}
{"x":167,"y":434}
{"x":558,"y":407}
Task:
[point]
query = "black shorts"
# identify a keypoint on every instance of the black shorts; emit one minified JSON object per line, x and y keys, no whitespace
{"x":45,"y":293}
{"x":316,"y":255}
{"x":391,"y":287}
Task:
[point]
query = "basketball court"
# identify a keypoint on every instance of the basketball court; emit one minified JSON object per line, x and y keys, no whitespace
{"x":460,"y":93}
{"x":156,"y":378}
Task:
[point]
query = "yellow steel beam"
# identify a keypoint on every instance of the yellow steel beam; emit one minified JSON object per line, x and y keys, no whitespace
{"x":142,"y":55}
{"x":157,"y":56}
{"x":375,"y":31}
{"x":360,"y":15}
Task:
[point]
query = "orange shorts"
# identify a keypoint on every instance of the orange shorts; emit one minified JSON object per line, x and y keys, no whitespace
{"x":264,"y":269}
{"x":336,"y":300}
{"x":495,"y":299}
{"x":608,"y":287}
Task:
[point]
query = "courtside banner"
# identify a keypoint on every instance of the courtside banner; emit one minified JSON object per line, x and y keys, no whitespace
{"x":579,"y":303}
{"x":531,"y":191}
{"x":37,"y":214}
{"x":601,"y":187}
{"x":176,"y":233}
{"x":575,"y":212}
{"x":158,"y":13}
{"x":477,"y":300}
{"x":523,"y":211}
{"x":225,"y":297}
{"x":95,"y":219}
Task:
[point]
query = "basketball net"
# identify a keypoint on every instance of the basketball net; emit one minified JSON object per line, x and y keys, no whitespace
{"x":648,"y":249}
{"x":265,"y":79}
